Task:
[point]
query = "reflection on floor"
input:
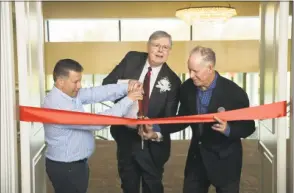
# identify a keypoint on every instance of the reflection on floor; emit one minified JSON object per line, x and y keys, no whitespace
{"x":104,"y":177}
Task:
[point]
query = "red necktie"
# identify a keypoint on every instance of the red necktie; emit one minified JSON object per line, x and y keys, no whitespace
{"x":146,"y":87}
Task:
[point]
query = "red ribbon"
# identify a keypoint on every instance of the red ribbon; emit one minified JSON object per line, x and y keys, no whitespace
{"x":35,"y":114}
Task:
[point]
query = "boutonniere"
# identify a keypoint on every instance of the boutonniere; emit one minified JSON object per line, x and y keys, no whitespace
{"x":163,"y":84}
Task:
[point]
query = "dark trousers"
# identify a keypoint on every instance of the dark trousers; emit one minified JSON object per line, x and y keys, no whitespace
{"x":140,"y":165}
{"x":194,"y":185}
{"x":68,"y":177}
{"x":196,"y":180}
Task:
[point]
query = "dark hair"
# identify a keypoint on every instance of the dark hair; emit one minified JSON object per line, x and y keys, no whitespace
{"x":63,"y":67}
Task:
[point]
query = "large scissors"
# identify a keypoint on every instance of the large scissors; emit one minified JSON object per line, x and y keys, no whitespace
{"x":141,"y":116}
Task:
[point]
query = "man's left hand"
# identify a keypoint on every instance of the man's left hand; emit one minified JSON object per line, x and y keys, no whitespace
{"x":220,"y":126}
{"x":146,"y":131}
{"x":149,"y":135}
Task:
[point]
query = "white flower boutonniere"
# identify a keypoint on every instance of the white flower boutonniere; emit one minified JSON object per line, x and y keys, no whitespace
{"x":164,"y":85}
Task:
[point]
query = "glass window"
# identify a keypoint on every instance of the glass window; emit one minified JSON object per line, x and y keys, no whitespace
{"x":87,"y":81}
{"x":288,"y":101}
{"x":141,"y":29}
{"x":49,"y":82}
{"x":236,"y":28}
{"x":227,"y":75}
{"x":252,"y":90}
{"x":238,"y":79}
{"x":100,"y":107}
{"x":82,"y":30}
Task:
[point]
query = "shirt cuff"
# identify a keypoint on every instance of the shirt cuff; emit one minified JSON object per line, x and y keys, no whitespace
{"x":123,"y":81}
{"x":156,"y":128}
{"x":132,"y":126}
{"x":159,"y":137}
{"x":127,"y":102}
{"x":227,"y":131}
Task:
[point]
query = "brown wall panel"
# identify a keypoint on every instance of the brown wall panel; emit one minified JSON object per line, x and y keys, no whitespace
{"x":101,"y":57}
{"x":134,"y":9}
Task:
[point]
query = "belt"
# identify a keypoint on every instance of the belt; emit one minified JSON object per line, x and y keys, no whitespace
{"x":73,"y":162}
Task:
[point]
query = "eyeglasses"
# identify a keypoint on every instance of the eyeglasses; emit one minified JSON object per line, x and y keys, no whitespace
{"x":163,"y":47}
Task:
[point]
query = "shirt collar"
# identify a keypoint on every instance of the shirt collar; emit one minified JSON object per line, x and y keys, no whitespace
{"x":213,"y":84}
{"x":58,"y":91}
{"x":155,"y":70}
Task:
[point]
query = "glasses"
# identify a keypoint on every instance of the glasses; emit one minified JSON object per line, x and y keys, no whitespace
{"x":163,"y":47}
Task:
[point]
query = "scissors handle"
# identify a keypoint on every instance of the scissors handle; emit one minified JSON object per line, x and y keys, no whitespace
{"x":141,"y":116}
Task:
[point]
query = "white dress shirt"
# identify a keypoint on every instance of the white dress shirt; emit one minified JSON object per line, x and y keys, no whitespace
{"x":132,"y":113}
{"x":154,"y":74}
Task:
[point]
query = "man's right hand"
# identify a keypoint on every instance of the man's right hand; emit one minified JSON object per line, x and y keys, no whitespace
{"x":135,"y":95}
{"x":134,"y":85}
{"x":146,"y":131}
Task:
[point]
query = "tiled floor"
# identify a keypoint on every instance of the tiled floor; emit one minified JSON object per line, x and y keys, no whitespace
{"x":104,"y":177}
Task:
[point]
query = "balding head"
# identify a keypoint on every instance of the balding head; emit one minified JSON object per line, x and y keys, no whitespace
{"x":201,"y":66}
{"x":207,"y":55}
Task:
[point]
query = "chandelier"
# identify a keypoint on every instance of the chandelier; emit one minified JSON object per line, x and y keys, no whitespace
{"x":210,"y":13}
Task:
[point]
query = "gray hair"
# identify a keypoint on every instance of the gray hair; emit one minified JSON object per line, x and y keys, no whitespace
{"x":207,"y":54}
{"x":160,"y":34}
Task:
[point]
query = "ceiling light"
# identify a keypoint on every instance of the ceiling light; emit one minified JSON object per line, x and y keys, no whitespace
{"x":214,"y":13}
